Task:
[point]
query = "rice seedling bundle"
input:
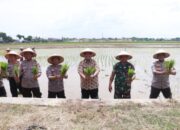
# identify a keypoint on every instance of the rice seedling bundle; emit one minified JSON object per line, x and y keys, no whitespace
{"x":169,"y":64}
{"x":35,"y":70}
{"x":64,"y":69}
{"x":16,"y":70}
{"x":4,"y":67}
{"x":131,"y":72}
{"x":89,"y":70}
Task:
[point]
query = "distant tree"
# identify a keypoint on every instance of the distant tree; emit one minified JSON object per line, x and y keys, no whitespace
{"x":5,"y":38}
{"x":3,"y":35}
{"x":20,"y":36}
{"x":29,"y":38}
{"x":8,"y":39}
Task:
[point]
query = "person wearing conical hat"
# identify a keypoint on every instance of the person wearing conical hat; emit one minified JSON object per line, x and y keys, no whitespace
{"x":30,"y":71}
{"x":55,"y":79}
{"x":122,"y":78}
{"x":89,"y":83}
{"x":13,"y":72}
{"x":2,"y":89}
{"x":160,"y":81}
{"x":21,"y":49}
{"x":8,"y":50}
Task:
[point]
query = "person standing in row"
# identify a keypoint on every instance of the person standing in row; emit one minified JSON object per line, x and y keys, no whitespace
{"x":13,"y":72}
{"x":89,"y":83}
{"x":160,"y":81}
{"x":55,"y":79}
{"x":2,"y":89}
{"x":122,"y":78}
{"x":30,"y":71}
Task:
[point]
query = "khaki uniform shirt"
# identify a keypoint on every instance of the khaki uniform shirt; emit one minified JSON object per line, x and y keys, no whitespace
{"x":54,"y":85}
{"x":92,"y":83}
{"x":10,"y":69}
{"x":28,"y":80}
{"x":160,"y":81}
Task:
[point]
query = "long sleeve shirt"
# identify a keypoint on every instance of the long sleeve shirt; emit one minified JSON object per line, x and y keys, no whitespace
{"x":26,"y":70}
{"x":54,"y":85}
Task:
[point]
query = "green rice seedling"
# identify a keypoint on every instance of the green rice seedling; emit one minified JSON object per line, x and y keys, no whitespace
{"x":4,"y":67}
{"x":131,"y":72}
{"x":16,"y":70}
{"x":169,"y":64}
{"x":64,"y":69}
{"x":35,"y":70}
{"x":89,"y":70}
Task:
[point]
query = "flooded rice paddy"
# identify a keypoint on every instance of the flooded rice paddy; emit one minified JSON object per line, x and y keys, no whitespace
{"x":142,"y":60}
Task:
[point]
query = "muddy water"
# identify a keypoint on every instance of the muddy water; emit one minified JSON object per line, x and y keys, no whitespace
{"x":142,"y":60}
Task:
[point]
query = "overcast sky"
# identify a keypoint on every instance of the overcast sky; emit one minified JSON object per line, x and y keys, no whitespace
{"x":91,"y":18}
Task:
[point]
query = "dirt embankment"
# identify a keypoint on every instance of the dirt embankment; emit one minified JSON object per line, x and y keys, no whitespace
{"x":90,"y":45}
{"x":55,"y":114}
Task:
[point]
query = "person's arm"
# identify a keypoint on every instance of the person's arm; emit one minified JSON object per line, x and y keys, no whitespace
{"x":65,"y":76}
{"x":134,"y":76}
{"x":111,"y":80}
{"x":156,"y":71}
{"x":173,"y":71}
{"x":17,"y":72}
{"x":97,"y":70}
{"x":80,"y":71}
{"x":39,"y":71}
{"x":50,"y":75}
{"x":159,"y":72}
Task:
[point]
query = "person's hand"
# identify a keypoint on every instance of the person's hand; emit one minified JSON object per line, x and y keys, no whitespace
{"x":110,"y":88}
{"x":65,"y":76}
{"x":87,"y":77}
{"x":17,"y":79}
{"x":129,"y":80}
{"x":93,"y":75}
{"x":83,"y":76}
{"x":167,"y":72}
{"x":36,"y":76}
{"x":59,"y":77}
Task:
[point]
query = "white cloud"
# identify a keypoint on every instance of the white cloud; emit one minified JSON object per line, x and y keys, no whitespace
{"x":91,"y":18}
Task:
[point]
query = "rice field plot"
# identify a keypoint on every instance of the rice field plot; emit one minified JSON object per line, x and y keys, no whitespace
{"x":105,"y":57}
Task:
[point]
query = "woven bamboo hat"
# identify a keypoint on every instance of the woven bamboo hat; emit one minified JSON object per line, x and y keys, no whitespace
{"x":50,"y":59}
{"x":12,"y":53}
{"x":28,"y":50}
{"x":161,"y":51}
{"x":123,"y":53}
{"x":87,"y":50}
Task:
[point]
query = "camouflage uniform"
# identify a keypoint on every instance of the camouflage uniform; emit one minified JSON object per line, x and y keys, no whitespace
{"x":122,"y":87}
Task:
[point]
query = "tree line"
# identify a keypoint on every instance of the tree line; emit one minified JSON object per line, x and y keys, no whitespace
{"x":4,"y":38}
